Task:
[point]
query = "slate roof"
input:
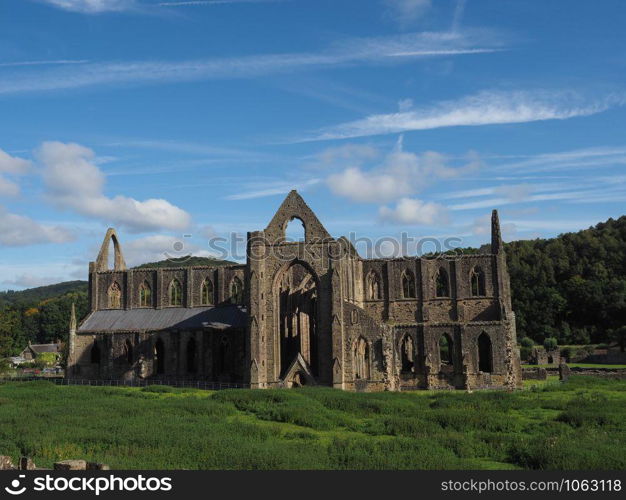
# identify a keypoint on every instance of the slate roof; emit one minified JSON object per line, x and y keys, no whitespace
{"x":140,"y":320}
{"x":39,"y":348}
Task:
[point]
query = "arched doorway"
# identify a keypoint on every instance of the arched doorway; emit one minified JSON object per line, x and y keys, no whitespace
{"x":159,"y":357}
{"x":297,"y":316}
{"x":485,"y":363}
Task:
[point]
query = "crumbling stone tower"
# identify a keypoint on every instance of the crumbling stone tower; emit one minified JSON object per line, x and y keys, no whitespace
{"x":309,"y":312}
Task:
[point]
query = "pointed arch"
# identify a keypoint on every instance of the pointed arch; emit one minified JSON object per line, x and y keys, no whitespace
{"x":145,"y":294}
{"x":102,"y":261}
{"x":206,"y":292}
{"x":442,"y":283}
{"x":159,"y":357}
{"x":236,"y":291}
{"x":175,"y":293}
{"x":114,"y":296}
{"x":373,"y":286}
{"x":407,"y":353}
{"x":477,"y":282}
{"x":446,"y":350}
{"x":128,"y":351}
{"x":485,"y":353}
{"x":361,"y":359}
{"x":191,"y":356}
{"x":408,"y":285}
{"x":94,"y":354}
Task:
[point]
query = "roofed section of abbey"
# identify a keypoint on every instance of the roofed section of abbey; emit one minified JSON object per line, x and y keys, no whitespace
{"x":311,"y":312}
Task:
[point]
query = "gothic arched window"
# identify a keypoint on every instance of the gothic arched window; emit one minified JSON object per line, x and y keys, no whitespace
{"x":442,"y":283}
{"x":236,"y":291}
{"x":485,"y":355}
{"x":408,"y":285}
{"x":477,"y":281}
{"x":175,"y":293}
{"x":206,"y":293}
{"x":407,"y":353}
{"x":361,"y":359}
{"x":446,"y":348}
{"x":373,"y":286}
{"x":114,"y":295}
{"x":145,"y":295}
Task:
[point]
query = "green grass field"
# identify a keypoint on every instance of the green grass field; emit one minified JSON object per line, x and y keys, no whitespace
{"x":577,"y":425}
{"x":581,"y":365}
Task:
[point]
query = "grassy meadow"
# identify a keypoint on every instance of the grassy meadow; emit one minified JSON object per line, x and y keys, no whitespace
{"x":580,"y":424}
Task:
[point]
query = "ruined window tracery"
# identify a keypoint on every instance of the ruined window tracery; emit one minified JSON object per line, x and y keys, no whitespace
{"x":206,"y":293}
{"x":477,"y":281}
{"x":175,"y":293}
{"x":236,"y":291}
{"x":145,"y":295}
{"x":114,"y":295}
{"x":408,"y":285}
{"x":373,"y":286}
{"x":442,"y":283}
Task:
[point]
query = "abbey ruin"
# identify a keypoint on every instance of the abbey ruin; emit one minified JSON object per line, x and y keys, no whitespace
{"x":311,"y":312}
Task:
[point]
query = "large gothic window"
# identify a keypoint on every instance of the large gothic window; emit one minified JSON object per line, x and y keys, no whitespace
{"x":114,"y":295}
{"x":477,"y":281}
{"x":175,"y":293}
{"x":128,"y":351}
{"x":442,"y":283}
{"x":236,"y":291}
{"x":446,"y":350}
{"x":297,"y":316}
{"x":361,"y":358}
{"x":485,"y":355}
{"x":407,"y":353}
{"x":373,"y":286}
{"x":145,"y":295}
{"x":408,"y":285}
{"x":206,"y":293}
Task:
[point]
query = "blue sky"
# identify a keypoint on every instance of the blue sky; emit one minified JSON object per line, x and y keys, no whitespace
{"x":196,"y":118}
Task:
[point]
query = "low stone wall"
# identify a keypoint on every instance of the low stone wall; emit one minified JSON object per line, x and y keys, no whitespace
{"x":25,"y":463}
{"x":534,"y":374}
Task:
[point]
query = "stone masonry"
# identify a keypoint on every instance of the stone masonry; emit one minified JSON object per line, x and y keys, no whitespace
{"x":310,"y":312}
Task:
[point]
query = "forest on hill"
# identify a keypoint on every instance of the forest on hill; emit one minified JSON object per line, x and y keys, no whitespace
{"x":571,"y":288}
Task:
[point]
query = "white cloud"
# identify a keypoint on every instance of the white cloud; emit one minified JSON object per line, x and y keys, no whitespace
{"x":396,"y":49}
{"x":92,"y":6}
{"x":260,"y":190}
{"x":401,"y":173}
{"x":405,"y":12}
{"x":484,"y":108}
{"x":12,"y":164}
{"x":413,"y":211}
{"x":19,"y":230}
{"x":8,"y":188}
{"x":74,"y":182}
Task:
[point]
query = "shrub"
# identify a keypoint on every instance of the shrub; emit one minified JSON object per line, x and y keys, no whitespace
{"x":550,"y":343}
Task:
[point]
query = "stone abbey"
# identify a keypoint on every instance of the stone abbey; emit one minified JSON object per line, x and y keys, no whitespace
{"x":311,"y":312}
